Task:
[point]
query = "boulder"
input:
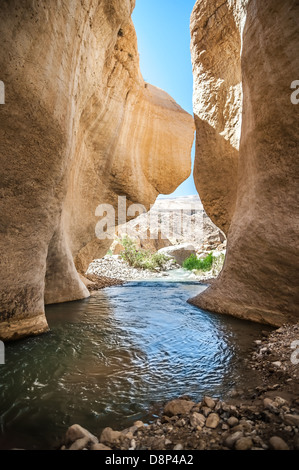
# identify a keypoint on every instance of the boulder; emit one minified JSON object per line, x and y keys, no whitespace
{"x":232,"y":421}
{"x":179,"y":252}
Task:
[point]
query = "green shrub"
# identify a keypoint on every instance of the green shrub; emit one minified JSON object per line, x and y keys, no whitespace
{"x":210,"y":263}
{"x":193,"y":263}
{"x":142,"y":259}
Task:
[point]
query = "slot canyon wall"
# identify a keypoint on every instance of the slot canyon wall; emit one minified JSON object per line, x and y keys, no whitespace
{"x":79,"y":127}
{"x":245,"y":58}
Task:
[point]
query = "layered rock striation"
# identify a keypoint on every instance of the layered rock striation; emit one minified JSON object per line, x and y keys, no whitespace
{"x":249,"y":183}
{"x":79,"y":128}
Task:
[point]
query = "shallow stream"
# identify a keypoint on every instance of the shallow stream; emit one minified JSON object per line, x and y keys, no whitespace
{"x":115,"y":358}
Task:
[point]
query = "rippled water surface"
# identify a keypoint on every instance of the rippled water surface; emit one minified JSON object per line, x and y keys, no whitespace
{"x":115,"y":358}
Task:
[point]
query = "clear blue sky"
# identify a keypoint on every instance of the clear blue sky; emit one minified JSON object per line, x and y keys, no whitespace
{"x":163,"y":33}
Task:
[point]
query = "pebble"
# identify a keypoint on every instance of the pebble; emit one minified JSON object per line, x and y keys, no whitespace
{"x":109,"y":436}
{"x":178,"y":407}
{"x":76,"y":432}
{"x":178,"y":447}
{"x":139,"y":424}
{"x":280,"y":401}
{"x":276,"y":443}
{"x":133,"y":445}
{"x":218,"y":406}
{"x":232,"y":421}
{"x":209,"y":402}
{"x":233,"y":438}
{"x":197,"y":419}
{"x":270,"y":405}
{"x":292,"y":420}
{"x":245,"y":443}
{"x":233,"y":410}
{"x":235,"y":394}
{"x":274,"y":387}
{"x":206,"y":411}
{"x":212,"y":421}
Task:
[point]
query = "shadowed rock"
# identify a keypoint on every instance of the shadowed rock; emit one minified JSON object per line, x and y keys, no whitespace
{"x":259,"y":279}
{"x":79,"y":127}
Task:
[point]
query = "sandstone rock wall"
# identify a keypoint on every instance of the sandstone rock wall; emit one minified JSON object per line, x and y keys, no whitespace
{"x":260,"y":277}
{"x":79,"y":128}
{"x":217,"y":99}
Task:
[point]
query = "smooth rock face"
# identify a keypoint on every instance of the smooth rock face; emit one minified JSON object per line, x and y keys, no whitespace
{"x":79,"y":128}
{"x":259,"y":279}
{"x":217,"y":102}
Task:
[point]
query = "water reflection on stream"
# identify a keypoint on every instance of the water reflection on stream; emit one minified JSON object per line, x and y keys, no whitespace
{"x":110,"y":358}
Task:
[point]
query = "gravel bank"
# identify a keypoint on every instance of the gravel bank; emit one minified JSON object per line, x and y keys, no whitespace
{"x":115,"y":267}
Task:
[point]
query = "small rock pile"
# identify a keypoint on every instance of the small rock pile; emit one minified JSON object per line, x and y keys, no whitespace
{"x":211,"y":424}
{"x":277,"y":354}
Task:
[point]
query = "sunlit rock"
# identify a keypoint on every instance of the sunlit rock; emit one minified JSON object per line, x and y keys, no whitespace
{"x":79,"y":127}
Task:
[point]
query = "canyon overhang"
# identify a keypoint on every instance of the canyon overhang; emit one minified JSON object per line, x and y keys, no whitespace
{"x":79,"y":127}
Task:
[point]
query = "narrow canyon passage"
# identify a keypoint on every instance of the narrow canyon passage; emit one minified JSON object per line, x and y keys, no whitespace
{"x":84,"y":132}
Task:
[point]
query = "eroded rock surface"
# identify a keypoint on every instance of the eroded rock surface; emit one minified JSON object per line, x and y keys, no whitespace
{"x":79,"y":128}
{"x":258,"y":204}
{"x":216,"y":58}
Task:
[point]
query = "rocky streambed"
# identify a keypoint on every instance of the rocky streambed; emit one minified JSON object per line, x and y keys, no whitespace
{"x":265,"y":417}
{"x":114,"y":267}
{"x":113,"y":270}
